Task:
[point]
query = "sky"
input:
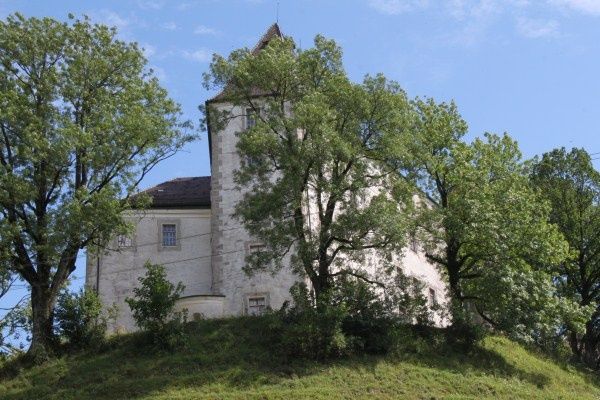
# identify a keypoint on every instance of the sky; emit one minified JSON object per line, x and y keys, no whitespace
{"x":528,"y":68}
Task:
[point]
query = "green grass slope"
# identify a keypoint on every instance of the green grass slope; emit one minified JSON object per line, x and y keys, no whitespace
{"x":233,"y":359}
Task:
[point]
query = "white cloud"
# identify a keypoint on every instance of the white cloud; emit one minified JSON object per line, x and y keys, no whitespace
{"x":159,"y":73}
{"x":111,"y":18}
{"x":201,"y":55}
{"x":536,"y":28}
{"x":150,"y":4}
{"x":185,"y":6}
{"x":148,"y":49}
{"x":475,"y":18}
{"x":204,"y":30}
{"x":393,"y":7}
{"x":170,"y":26}
{"x":591,"y":7}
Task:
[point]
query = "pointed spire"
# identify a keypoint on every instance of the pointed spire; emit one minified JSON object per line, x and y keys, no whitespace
{"x":272,"y":32}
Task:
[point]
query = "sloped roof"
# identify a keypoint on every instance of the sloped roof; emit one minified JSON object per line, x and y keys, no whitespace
{"x":191,"y":192}
{"x":273,"y":32}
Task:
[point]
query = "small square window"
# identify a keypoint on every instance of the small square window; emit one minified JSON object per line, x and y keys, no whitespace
{"x":124,"y":241}
{"x":432,"y":298}
{"x":256,"y":248}
{"x":251,"y":117}
{"x":257,"y":305}
{"x":414,"y":244}
{"x":169,"y":235}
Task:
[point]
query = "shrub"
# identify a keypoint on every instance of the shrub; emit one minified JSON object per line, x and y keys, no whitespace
{"x":80,"y":319}
{"x":405,"y":298}
{"x":312,"y":330}
{"x":153,"y":306}
{"x":465,"y":331}
{"x":375,"y":314}
{"x":368,"y":321}
{"x":355,"y":317}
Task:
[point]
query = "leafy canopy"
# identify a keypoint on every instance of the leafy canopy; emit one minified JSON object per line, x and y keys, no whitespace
{"x":569,"y":181}
{"x":82,"y":121}
{"x":316,"y":189}
{"x":484,"y":225}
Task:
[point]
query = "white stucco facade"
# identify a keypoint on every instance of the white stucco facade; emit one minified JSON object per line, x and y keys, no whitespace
{"x":206,"y":246}
{"x":210,"y":251}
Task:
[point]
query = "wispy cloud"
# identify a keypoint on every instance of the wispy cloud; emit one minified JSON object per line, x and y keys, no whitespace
{"x":111,"y":18}
{"x":393,"y":7}
{"x":204,"y":30}
{"x":537,"y":28}
{"x":150,"y":4}
{"x":160,"y":73}
{"x":591,"y":7}
{"x":201,"y":55}
{"x":474,"y":19}
{"x":170,"y":26}
{"x":148,"y":49}
{"x":186,"y":5}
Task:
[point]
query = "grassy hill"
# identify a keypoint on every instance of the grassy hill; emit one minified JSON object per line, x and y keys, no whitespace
{"x":233,"y":359}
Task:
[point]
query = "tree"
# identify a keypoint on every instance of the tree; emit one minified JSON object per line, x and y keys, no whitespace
{"x":82,"y":121}
{"x":153,"y":304}
{"x":483,"y":224}
{"x":312,"y":168}
{"x":570,"y":183}
{"x":81,"y":318}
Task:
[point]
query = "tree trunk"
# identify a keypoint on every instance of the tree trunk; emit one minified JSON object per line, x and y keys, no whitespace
{"x":42,"y":303}
{"x":589,"y":353}
{"x":456,"y":297}
{"x":574,"y":343}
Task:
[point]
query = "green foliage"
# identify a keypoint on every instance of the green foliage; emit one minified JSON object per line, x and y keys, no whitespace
{"x":234,"y":358}
{"x":80,"y":318}
{"x":15,"y":328}
{"x":153,"y":307}
{"x":569,"y":181}
{"x":325,"y":138}
{"x":83,"y":121}
{"x":483,"y":224}
{"x":312,"y":332}
{"x":356,"y":319}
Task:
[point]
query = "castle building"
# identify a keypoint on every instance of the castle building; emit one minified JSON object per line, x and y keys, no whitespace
{"x":190,"y":229}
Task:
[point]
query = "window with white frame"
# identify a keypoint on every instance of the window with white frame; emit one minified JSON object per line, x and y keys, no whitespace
{"x":169,"y":235}
{"x":124,"y":241}
{"x":257,"y":305}
{"x":256,"y":248}
{"x":432,"y":298}
{"x":251,"y":117}
{"x":414,"y":244}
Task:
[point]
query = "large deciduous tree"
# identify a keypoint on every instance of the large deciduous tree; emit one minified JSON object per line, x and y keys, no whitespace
{"x":484,"y":225}
{"x":82,"y":121}
{"x":312,"y":169}
{"x":570,"y":183}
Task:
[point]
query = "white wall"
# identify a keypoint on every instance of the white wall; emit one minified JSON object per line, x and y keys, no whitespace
{"x":230,"y":240}
{"x":189,"y":263}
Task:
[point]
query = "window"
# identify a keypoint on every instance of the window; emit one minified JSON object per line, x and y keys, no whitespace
{"x":169,"y":235}
{"x":124,"y":241}
{"x":256,"y":248}
{"x":257,"y":305}
{"x":414,"y":244}
{"x":432,"y":298}
{"x":251,"y":117}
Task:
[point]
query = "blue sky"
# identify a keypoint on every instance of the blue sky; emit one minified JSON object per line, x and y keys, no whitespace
{"x":529,"y":68}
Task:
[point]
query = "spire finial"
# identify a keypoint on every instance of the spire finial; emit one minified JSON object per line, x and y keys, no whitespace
{"x":277,"y":13}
